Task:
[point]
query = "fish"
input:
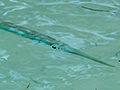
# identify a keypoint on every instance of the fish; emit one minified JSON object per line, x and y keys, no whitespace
{"x":34,"y":80}
{"x":27,"y":87}
{"x":95,"y":9}
{"x":99,"y":10}
{"x":39,"y":37}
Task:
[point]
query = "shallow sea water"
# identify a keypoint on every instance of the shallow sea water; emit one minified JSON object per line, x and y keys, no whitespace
{"x":23,"y":61}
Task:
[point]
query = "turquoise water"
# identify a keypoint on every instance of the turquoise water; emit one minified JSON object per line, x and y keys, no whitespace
{"x":96,"y":33}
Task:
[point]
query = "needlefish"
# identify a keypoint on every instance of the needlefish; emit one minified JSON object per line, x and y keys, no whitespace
{"x":55,"y":44}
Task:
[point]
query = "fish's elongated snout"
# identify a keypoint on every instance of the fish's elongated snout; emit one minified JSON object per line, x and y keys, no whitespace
{"x":77,"y":52}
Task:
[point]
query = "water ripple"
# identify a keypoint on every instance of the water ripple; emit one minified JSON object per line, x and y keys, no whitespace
{"x":67,"y":22}
{"x":3,"y":55}
{"x":13,"y":8}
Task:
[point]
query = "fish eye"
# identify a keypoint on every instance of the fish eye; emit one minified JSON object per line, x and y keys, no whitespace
{"x":54,"y":46}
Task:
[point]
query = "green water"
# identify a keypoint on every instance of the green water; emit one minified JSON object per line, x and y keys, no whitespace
{"x":23,"y":61}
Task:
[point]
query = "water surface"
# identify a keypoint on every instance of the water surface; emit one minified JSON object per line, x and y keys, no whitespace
{"x":23,"y":61}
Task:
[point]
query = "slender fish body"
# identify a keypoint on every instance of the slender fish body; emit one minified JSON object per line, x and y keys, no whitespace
{"x":56,"y":44}
{"x":33,"y":35}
